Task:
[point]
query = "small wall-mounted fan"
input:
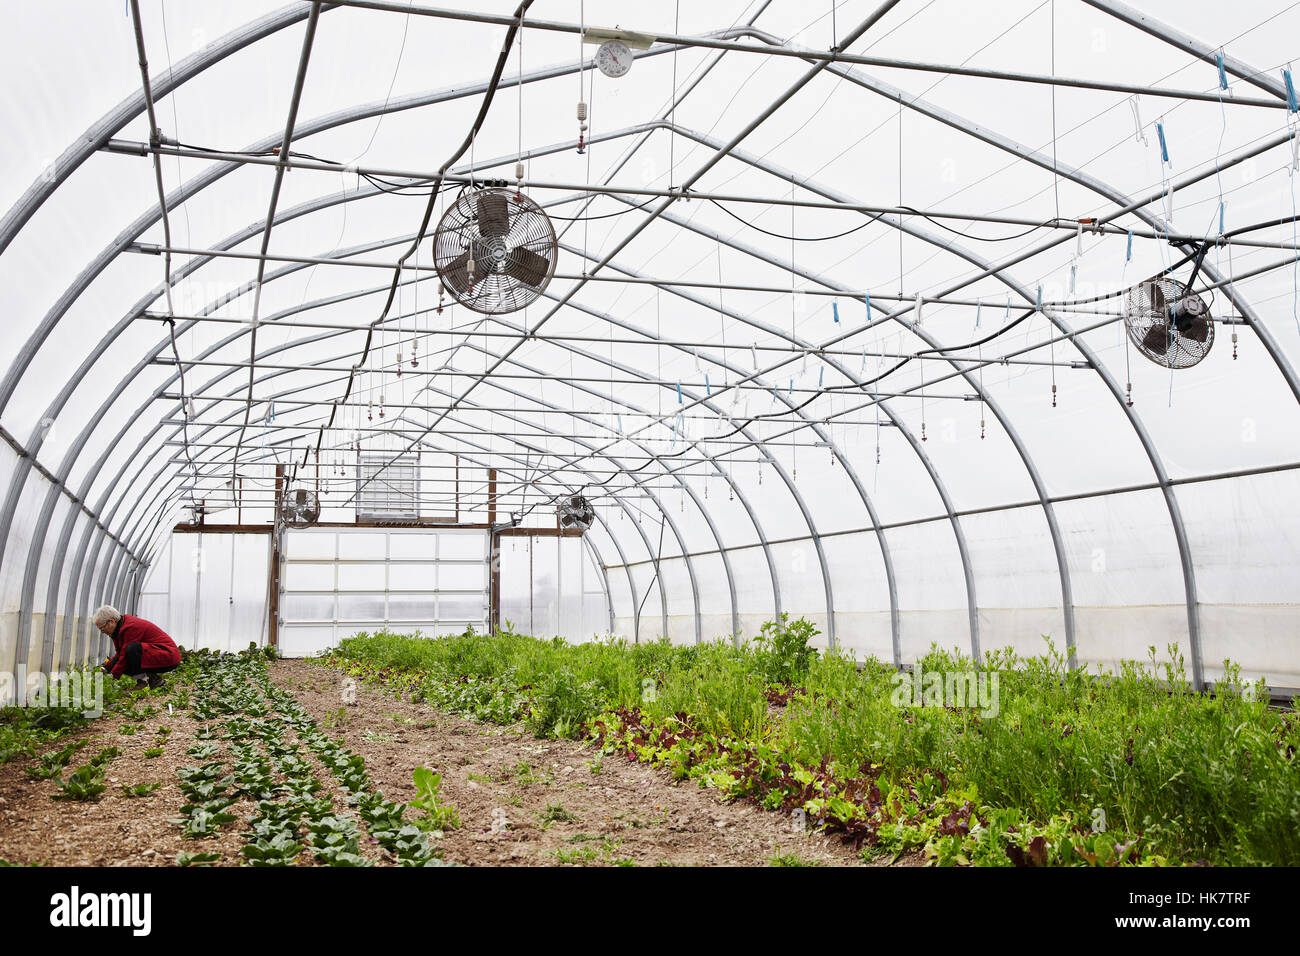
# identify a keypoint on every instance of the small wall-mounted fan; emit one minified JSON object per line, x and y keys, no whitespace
{"x":299,"y":508}
{"x":495,"y":250}
{"x":1169,"y":323}
{"x":575,"y":511}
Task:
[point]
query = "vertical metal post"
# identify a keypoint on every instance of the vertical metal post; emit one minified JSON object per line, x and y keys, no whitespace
{"x":273,"y":567}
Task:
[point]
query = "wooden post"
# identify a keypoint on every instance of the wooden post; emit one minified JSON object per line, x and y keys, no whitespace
{"x":494,"y":556}
{"x":273,"y":569}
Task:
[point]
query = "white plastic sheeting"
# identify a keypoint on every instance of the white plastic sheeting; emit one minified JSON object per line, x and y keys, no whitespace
{"x":753,"y":439}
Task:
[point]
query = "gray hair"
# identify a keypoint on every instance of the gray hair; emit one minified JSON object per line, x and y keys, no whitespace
{"x":105,"y":613}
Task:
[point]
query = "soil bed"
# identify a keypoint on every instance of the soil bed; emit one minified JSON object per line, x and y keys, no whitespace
{"x":624,"y":813}
{"x":522,"y":801}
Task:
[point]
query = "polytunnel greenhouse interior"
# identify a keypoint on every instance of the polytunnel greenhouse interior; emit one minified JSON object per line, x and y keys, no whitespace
{"x":678,"y":387}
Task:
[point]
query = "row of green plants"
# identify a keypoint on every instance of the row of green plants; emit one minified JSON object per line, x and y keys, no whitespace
{"x":87,"y":782}
{"x":275,"y":773}
{"x":1066,"y":767}
{"x":26,"y":731}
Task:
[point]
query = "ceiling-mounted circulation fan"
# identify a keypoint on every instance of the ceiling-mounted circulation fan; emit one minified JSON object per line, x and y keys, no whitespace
{"x":495,"y":250}
{"x":299,"y":508}
{"x":1169,"y":323}
{"x":575,"y":511}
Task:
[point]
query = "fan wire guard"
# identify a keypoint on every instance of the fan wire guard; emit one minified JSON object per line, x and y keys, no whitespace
{"x":511,"y":243}
{"x":1178,"y":344}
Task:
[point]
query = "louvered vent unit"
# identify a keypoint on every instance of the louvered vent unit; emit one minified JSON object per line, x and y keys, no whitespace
{"x":387,"y":490}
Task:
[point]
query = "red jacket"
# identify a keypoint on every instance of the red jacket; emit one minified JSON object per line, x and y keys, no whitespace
{"x":157,"y":650}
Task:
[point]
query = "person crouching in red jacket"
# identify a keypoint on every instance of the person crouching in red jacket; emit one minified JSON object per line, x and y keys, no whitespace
{"x":141,"y":649}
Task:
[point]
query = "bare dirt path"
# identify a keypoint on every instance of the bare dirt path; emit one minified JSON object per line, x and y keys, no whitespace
{"x":560,"y":802}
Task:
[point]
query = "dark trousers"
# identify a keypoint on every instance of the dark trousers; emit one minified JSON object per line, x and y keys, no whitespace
{"x":133,"y":668}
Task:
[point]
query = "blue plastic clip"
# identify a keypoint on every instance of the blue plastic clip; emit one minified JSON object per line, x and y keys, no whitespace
{"x":1223,"y":75}
{"x":707,"y":389}
{"x":1038,"y":300}
{"x":773,"y":394}
{"x":1290,"y":92}
{"x":979,"y":307}
{"x":620,"y":424}
{"x":1164,"y":148}
{"x":1221,"y":205}
{"x":835,"y":311}
{"x":821,"y":375}
{"x":679,"y":393}
{"x":1007,"y":314}
{"x":1128,"y":256}
{"x":867,"y":298}
{"x":791,"y":390}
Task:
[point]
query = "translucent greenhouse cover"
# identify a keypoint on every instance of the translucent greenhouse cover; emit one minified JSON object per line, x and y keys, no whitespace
{"x":837,"y":325}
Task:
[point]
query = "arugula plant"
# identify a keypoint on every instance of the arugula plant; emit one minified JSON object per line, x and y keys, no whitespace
{"x":437,"y":815}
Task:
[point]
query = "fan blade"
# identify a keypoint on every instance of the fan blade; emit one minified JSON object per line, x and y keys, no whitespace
{"x":1156,"y":341}
{"x":455,"y":272}
{"x":493,"y":215}
{"x":526,"y":266}
{"x":1159,"y":304}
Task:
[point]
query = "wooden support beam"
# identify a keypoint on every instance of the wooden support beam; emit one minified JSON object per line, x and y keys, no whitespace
{"x":273,"y":572}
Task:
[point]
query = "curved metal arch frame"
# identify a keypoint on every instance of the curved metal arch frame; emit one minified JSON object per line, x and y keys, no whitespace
{"x":233,"y":337}
{"x":187,"y":191}
{"x":894,"y":610}
{"x":160,"y":528}
{"x":148,"y":531}
{"x":135,"y":531}
{"x":98,"y":136}
{"x":75,"y":576}
{"x":1064,"y":330}
{"x":682,"y":483}
{"x":1148,"y":444}
{"x":66,"y":466}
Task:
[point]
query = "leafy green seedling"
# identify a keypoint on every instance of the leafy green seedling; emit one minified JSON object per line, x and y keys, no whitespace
{"x":151,"y":752}
{"x":438,"y":815}
{"x":140,"y":789}
{"x":54,"y":761}
{"x":196,"y":859}
{"x":105,"y":756}
{"x":84,"y":783}
{"x":202,"y":823}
